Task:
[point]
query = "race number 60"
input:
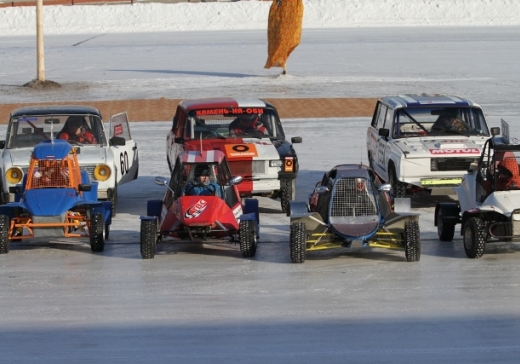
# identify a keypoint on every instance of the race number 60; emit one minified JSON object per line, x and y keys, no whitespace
{"x":123,"y":159}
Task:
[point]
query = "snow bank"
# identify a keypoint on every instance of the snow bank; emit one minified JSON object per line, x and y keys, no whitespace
{"x":159,"y":17}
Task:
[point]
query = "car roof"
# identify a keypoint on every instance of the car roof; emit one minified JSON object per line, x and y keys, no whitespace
{"x":222,"y":102}
{"x":206,"y":156}
{"x":425,"y":100}
{"x":55,"y":149}
{"x":352,"y":170}
{"x":55,"y":110}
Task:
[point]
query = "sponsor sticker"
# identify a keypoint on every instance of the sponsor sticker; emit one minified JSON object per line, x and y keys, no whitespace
{"x":196,"y":209}
{"x":241,"y":150}
{"x":118,"y":129}
{"x":229,"y":111}
{"x":27,"y":119}
{"x":455,"y":151}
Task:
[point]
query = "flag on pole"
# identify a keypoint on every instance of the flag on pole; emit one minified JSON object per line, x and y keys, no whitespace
{"x":284,"y":30}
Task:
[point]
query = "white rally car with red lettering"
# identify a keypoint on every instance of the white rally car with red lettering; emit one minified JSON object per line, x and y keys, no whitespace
{"x":425,"y":142}
{"x":249,"y":133}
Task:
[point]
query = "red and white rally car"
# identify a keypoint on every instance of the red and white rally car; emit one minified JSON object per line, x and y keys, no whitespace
{"x":250,"y":134}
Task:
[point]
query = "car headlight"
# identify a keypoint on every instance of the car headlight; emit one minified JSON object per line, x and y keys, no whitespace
{"x":277,"y":163}
{"x":102,"y":172}
{"x":14,"y":175}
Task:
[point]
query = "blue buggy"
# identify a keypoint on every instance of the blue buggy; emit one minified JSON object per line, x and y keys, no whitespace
{"x":56,"y":199}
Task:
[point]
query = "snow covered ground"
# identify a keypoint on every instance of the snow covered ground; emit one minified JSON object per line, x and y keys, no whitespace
{"x":206,"y":304}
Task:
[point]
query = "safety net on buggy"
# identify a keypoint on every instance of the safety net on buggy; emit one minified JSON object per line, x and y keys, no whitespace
{"x":353,"y":208}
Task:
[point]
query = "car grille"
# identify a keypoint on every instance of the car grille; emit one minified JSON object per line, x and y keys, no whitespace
{"x":353,"y":210}
{"x":89,"y":169}
{"x":247,"y":168}
{"x":451,"y":164}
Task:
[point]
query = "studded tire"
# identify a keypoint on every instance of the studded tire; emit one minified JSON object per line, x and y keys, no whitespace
{"x":247,"y":236}
{"x":412,"y":241}
{"x":148,"y":238}
{"x":298,"y":242}
{"x":4,"y":234}
{"x":474,"y":237}
{"x":97,"y":233}
{"x":398,"y":187}
{"x":287,"y":194}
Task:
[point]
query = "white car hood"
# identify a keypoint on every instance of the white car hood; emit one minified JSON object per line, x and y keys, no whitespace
{"x":87,"y":155}
{"x":440,"y":147}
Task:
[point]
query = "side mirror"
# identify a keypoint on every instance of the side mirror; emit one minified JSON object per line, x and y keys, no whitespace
{"x":119,"y":141}
{"x":2,"y":144}
{"x":320,"y":190}
{"x":84,"y":187}
{"x":236,"y":180}
{"x":384,"y":132}
{"x":495,"y":131}
{"x":295,"y":140}
{"x":178,"y":140}
{"x":161,"y":181}
{"x":387,"y":187}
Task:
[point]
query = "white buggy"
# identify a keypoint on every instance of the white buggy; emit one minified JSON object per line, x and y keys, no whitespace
{"x":489,"y":198}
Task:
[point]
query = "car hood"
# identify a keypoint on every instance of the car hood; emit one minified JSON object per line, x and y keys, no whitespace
{"x":49,"y":201}
{"x":240,"y":148}
{"x":87,"y":155}
{"x":440,"y":147}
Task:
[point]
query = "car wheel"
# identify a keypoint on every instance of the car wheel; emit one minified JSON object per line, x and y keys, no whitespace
{"x":298,"y":242}
{"x":412,"y":241}
{"x":474,"y":239}
{"x":444,"y":231}
{"x":287,"y":193}
{"x":247,"y":236}
{"x":148,"y":238}
{"x":96,"y":232}
{"x":107,"y":231}
{"x":398,"y":187}
{"x":4,"y":234}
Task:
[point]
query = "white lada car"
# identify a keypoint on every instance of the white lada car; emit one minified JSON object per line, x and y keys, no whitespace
{"x":425,"y":142}
{"x":110,"y":156}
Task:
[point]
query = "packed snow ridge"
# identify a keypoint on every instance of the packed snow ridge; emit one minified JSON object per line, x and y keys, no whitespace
{"x":243,"y":15}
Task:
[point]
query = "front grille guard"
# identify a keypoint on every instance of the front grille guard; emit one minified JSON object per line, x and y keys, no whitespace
{"x":354,"y":209}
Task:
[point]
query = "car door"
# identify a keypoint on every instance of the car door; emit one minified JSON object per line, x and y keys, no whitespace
{"x":174,"y":145}
{"x":126,"y":156}
{"x":381,"y":140}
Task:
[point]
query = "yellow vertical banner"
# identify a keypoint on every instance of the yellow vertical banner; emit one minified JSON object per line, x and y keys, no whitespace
{"x":284,"y":30}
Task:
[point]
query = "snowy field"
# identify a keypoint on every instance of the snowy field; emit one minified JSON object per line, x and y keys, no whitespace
{"x":205,"y":303}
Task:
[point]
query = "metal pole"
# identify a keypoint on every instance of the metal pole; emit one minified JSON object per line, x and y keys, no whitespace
{"x":39,"y":40}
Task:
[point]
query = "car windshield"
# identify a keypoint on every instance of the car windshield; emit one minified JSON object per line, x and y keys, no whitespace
{"x":439,"y":121}
{"x":233,"y":122}
{"x":28,"y":131}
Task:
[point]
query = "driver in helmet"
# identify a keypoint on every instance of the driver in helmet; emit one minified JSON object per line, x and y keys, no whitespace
{"x":202,"y":184}
{"x":450,"y":122}
{"x":75,"y":131}
{"x":247,"y":123}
